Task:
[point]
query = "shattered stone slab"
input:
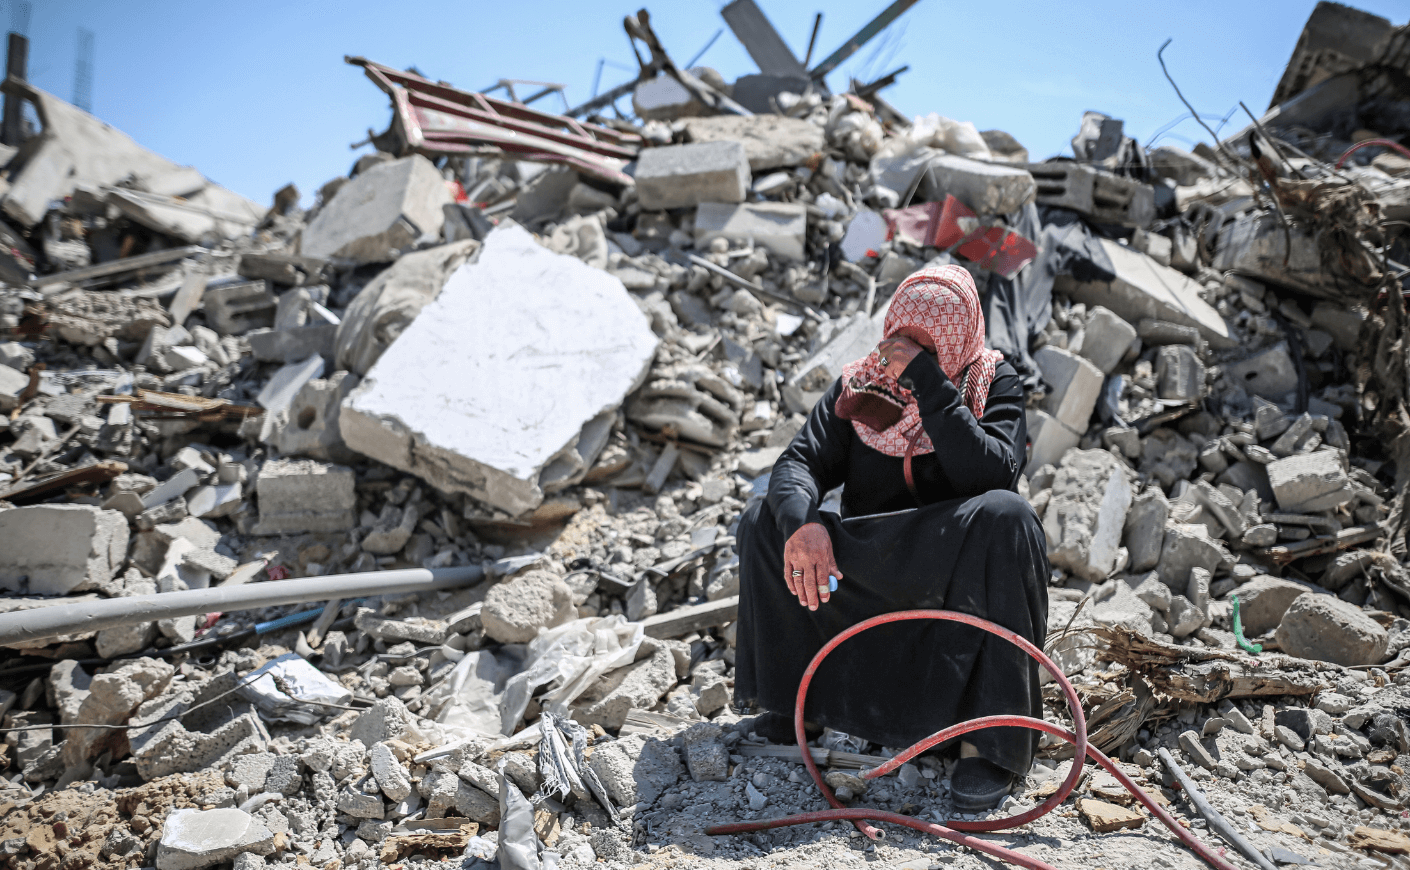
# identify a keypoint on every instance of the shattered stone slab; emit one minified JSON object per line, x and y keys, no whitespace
{"x":193,"y":839}
{"x":1310,"y":482}
{"x":446,"y":400}
{"x":680,"y":176}
{"x":1076,"y":384}
{"x":781,"y":227}
{"x":1143,"y":289}
{"x":301,"y":495}
{"x":380,"y":213}
{"x":1087,"y":513}
{"x":57,"y":549}
{"x":770,"y":141}
{"x":988,"y":188}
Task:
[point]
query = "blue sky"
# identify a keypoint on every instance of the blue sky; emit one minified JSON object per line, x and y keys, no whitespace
{"x":255,"y":94}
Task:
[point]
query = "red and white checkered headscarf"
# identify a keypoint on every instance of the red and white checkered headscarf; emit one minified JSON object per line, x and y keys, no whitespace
{"x":943,"y":303}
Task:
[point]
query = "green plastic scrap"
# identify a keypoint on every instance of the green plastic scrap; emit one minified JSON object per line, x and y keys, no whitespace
{"x":1243,"y":642}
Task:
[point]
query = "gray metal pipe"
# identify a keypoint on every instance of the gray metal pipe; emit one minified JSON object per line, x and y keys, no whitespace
{"x":60,"y":619}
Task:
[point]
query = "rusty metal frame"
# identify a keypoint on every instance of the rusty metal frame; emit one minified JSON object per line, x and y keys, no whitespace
{"x":436,"y":119}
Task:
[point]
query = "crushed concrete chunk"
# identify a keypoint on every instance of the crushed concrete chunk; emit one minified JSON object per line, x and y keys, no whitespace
{"x":57,"y":549}
{"x":380,"y":213}
{"x":517,"y":608}
{"x":192,"y":839}
{"x":1327,"y":628}
{"x":687,"y":175}
{"x":1087,"y":513}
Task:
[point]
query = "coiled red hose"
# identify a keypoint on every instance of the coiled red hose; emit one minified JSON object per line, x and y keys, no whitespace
{"x":1077,"y":737}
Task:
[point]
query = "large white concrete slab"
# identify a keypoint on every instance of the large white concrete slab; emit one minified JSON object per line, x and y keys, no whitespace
{"x":496,"y":378}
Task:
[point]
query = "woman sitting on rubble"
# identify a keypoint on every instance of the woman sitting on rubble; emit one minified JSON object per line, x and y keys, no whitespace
{"x":926,"y":436}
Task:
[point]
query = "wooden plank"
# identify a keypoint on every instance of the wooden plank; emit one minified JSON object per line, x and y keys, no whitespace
{"x":114,"y":267}
{"x":694,"y":617}
{"x":826,"y":757}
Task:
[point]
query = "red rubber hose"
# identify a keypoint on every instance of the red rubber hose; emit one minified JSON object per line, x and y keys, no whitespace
{"x":1384,"y":143}
{"x":1077,"y":737}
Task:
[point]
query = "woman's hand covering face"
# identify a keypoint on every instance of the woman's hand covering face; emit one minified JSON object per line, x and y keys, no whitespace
{"x":896,"y":353}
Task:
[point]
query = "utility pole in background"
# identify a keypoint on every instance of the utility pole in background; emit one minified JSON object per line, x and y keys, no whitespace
{"x":16,"y":60}
{"x":83,"y":71}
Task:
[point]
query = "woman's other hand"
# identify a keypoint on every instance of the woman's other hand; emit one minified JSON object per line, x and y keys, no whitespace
{"x":807,"y":562}
{"x":896,"y":353}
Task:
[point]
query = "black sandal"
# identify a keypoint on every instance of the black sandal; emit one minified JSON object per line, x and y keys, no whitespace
{"x":778,"y":728}
{"x":979,"y":784}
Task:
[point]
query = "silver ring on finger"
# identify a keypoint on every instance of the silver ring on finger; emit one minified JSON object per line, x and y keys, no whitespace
{"x":797,"y":573}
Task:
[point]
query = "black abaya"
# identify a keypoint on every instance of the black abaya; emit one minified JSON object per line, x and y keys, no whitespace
{"x":973,"y":546}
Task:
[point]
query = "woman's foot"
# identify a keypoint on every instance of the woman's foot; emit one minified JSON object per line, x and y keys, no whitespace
{"x":979,"y":784}
{"x":778,"y":728}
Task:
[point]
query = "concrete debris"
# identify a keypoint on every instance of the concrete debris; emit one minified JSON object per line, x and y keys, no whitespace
{"x":570,"y":350}
{"x":680,"y":176}
{"x":380,"y":213}
{"x":516,"y":609}
{"x":460,"y":420}
{"x":192,"y":839}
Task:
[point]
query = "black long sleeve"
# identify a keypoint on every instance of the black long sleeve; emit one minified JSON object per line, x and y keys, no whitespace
{"x":971,"y":456}
{"x":813,"y":464}
{"x":974,"y":455}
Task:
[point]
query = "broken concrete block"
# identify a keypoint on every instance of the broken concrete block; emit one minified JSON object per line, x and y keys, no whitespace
{"x":1179,"y":373}
{"x":517,"y":608}
{"x":285,"y":383}
{"x":1049,"y":439}
{"x":638,"y":685}
{"x":446,"y":401}
{"x":387,"y":771}
{"x":1263,"y":601}
{"x":418,"y":629}
{"x":12,"y":386}
{"x":1328,"y":629}
{"x":1143,"y":289}
{"x":691,"y":401}
{"x":56,"y":549}
{"x":1187,"y":546}
{"x":310,"y":424}
{"x":109,"y":700}
{"x":706,"y":757}
{"x":1076,"y":384}
{"x":360,"y":805}
{"x":387,"y":719}
{"x":380,"y":213}
{"x":988,"y":188}
{"x":636,"y":768}
{"x":680,"y":176}
{"x":206,"y":736}
{"x":1144,"y":534}
{"x":392,"y":530}
{"x":781,"y":227}
{"x":1103,"y":196}
{"x":770,"y":141}
{"x":294,"y":344}
{"x":192,"y":839}
{"x":1085,"y":516}
{"x":301,"y":495}
{"x":1271,"y":374}
{"x":1106,"y":339}
{"x":1308,"y":482}
{"x":236,"y":306}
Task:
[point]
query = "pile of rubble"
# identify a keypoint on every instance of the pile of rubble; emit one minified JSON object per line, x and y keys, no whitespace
{"x":562,"y":355}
